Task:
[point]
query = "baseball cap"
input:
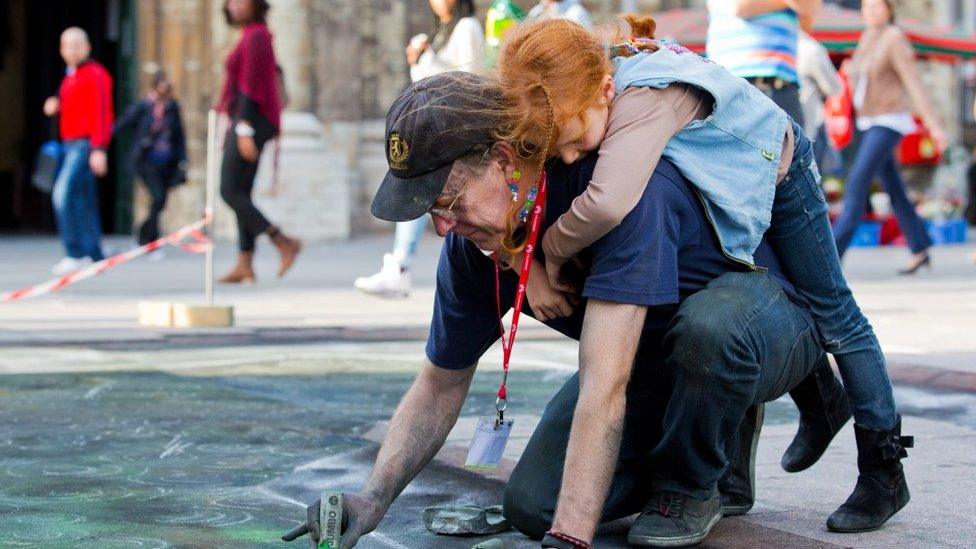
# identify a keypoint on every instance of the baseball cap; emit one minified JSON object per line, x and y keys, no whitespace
{"x":428,"y":127}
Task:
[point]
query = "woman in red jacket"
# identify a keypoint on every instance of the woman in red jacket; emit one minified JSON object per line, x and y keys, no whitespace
{"x":252,"y":101}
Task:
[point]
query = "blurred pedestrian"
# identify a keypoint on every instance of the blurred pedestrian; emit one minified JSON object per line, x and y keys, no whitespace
{"x":883,"y":73}
{"x":251,"y":99}
{"x":456,"y":43}
{"x":84,"y":108}
{"x":758,"y":41}
{"x":564,"y":9}
{"x":818,"y":80}
{"x":158,"y":151}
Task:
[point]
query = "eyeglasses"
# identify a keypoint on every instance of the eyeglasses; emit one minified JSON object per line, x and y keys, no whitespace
{"x":448,"y":213}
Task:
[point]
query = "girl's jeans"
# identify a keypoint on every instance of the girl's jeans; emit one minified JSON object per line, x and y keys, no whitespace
{"x":408,"y":235}
{"x":801,"y":235}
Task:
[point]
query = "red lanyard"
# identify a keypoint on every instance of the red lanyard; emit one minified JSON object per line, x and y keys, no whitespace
{"x":535,"y":222}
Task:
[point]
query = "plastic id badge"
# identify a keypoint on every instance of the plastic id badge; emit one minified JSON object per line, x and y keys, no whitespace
{"x":488,"y":443}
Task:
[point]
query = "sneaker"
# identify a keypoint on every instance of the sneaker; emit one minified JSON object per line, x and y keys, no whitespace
{"x":672,"y":519}
{"x":69,"y":265}
{"x":391,"y":281}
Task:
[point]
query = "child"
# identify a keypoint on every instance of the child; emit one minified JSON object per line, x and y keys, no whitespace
{"x":639,"y":99}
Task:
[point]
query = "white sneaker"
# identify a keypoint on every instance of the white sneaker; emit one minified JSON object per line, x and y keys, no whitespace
{"x":391,"y":281}
{"x":70,"y":265}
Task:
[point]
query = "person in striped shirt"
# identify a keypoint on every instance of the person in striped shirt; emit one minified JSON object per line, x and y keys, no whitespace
{"x":757,"y":40}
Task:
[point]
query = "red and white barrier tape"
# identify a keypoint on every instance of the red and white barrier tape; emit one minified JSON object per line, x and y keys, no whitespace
{"x":195,"y":231}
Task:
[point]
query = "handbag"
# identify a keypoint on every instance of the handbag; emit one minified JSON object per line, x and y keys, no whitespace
{"x":918,"y":148}
{"x":839,"y":114}
{"x":46,"y":166}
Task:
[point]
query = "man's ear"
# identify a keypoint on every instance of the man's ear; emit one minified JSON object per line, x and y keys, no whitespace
{"x":503,"y":154}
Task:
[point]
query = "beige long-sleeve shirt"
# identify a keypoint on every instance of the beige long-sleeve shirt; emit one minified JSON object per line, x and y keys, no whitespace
{"x":642,"y":121}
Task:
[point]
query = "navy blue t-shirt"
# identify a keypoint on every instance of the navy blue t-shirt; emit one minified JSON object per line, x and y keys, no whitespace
{"x":663,"y":251}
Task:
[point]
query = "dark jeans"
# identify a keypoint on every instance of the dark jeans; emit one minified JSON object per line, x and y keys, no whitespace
{"x":786,"y":98}
{"x":876,"y":156}
{"x":75,"y":200}
{"x":687,"y":397}
{"x":801,"y":236}
{"x":157,"y":180}
{"x":237,"y":182}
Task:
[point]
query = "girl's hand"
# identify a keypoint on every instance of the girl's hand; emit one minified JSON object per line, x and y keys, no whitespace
{"x":553,"y":269}
{"x":939,"y":137}
{"x":547,"y":303}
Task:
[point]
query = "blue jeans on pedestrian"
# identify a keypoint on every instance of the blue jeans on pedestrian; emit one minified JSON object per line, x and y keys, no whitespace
{"x":801,"y":236}
{"x":75,"y":200}
{"x":876,"y":156}
{"x":689,"y":392}
{"x":408,"y":235}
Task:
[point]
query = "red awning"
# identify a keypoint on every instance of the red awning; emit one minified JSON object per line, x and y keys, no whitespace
{"x":837,"y":29}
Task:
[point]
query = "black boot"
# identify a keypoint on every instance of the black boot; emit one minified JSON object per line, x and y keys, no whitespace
{"x":738,"y":486}
{"x":881,"y":490}
{"x":824,"y":409}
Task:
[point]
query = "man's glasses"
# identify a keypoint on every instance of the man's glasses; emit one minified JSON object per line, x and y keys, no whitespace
{"x":448,"y":212}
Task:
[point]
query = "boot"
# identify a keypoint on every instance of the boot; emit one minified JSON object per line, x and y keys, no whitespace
{"x":738,"y":485}
{"x":824,"y":409}
{"x":288,"y":248}
{"x":243,"y":271}
{"x":881,"y":490}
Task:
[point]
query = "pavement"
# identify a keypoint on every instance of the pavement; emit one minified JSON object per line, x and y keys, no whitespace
{"x":121,"y":436}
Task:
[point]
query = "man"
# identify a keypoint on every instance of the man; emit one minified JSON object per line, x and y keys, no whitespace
{"x":757,"y":40}
{"x":655,"y":283}
{"x":84,"y":107}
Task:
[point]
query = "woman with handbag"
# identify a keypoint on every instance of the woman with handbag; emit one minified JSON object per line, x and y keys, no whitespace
{"x":883,"y":72}
{"x":158,"y":152}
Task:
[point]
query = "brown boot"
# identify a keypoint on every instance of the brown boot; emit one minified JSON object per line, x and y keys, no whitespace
{"x":288,"y":248}
{"x":243,"y":271}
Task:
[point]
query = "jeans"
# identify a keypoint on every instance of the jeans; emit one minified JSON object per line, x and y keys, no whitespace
{"x":876,"y":156}
{"x":156,"y":179}
{"x":75,"y":200}
{"x":688,"y":394}
{"x":801,"y":236}
{"x":408,"y":235}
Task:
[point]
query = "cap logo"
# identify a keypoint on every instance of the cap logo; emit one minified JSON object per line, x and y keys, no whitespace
{"x":399,"y":151}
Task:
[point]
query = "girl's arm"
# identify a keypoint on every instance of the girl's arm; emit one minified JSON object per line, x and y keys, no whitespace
{"x":903,"y":60}
{"x":642,"y":121}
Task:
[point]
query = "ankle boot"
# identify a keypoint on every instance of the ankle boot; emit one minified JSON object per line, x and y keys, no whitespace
{"x":881,"y":490}
{"x":824,"y":409}
{"x":243,"y":271}
{"x":288,"y":249}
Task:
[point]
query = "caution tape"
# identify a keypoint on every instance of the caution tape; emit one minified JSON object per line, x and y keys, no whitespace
{"x":194,"y":231}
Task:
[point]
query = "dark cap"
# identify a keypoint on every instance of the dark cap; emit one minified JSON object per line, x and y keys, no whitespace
{"x":432,"y":124}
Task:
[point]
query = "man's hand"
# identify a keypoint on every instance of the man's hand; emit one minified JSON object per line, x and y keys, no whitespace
{"x":98,"y":162}
{"x":364,"y":515}
{"x":359,"y":517}
{"x":247,"y":148}
{"x":547,"y":302}
{"x":51,"y":106}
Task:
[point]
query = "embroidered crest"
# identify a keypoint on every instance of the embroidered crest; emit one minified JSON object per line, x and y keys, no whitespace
{"x":398,"y":150}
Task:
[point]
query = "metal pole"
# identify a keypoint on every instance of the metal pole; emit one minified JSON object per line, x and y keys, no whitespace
{"x":211,"y":196}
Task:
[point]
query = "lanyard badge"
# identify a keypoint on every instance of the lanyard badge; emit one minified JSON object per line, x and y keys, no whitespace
{"x":491,"y":434}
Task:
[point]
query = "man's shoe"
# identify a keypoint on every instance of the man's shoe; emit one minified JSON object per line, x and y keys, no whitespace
{"x":391,"y":281}
{"x":69,"y":265}
{"x":881,"y":489}
{"x":672,"y":519}
{"x":824,"y":409}
{"x":738,"y":486}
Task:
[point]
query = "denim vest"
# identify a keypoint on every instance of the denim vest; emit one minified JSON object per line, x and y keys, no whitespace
{"x":731,"y":156}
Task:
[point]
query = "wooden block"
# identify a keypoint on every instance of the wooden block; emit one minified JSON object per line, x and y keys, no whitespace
{"x":189,"y":316}
{"x":156,"y":314}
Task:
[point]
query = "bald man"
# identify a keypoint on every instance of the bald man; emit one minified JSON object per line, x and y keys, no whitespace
{"x":84,"y":106}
